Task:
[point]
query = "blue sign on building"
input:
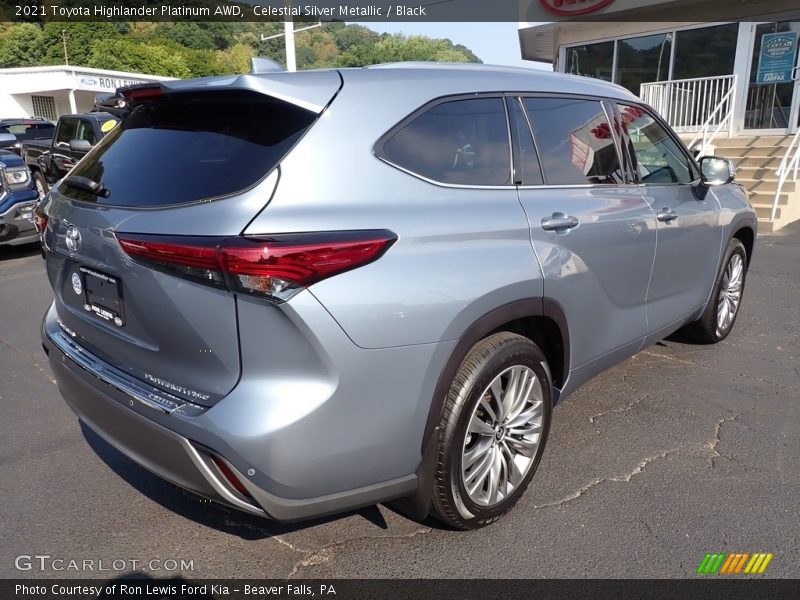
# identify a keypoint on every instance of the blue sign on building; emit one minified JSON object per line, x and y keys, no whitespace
{"x":776,"y":59}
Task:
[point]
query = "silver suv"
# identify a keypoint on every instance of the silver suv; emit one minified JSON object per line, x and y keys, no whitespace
{"x":301,"y":293}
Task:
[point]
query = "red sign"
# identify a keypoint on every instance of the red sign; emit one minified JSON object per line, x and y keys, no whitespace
{"x":574,"y":7}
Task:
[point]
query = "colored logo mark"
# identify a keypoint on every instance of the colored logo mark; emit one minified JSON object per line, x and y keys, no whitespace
{"x":737,"y":562}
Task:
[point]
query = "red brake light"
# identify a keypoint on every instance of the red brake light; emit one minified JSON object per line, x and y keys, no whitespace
{"x":274,"y":266}
{"x":140,"y":93}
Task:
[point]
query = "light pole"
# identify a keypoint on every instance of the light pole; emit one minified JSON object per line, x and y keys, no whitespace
{"x":288,"y":34}
{"x":64,"y":36}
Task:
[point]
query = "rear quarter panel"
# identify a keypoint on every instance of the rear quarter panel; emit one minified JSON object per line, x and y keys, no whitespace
{"x":461,"y":252}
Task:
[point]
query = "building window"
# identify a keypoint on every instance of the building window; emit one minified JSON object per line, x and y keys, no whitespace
{"x":44,"y":106}
{"x":643,"y":59}
{"x":705,"y":52}
{"x":591,"y":60}
{"x":683,"y":54}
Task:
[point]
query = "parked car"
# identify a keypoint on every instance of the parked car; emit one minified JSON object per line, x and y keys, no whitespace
{"x":17,"y":198}
{"x":301,"y":293}
{"x":26,"y":129}
{"x":74,"y":135}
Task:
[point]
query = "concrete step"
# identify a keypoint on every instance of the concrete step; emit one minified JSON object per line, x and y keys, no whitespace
{"x":742,"y":151}
{"x":764,"y":141}
{"x":766,"y":185}
{"x":764,"y":198}
{"x":767,"y":226}
{"x":755,"y":173}
{"x":761,"y":162}
{"x":764,"y":212}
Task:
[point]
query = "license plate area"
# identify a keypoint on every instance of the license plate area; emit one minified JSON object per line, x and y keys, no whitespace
{"x":103,"y":296}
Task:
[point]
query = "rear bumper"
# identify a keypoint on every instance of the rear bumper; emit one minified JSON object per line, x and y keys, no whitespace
{"x":15,"y":228}
{"x":177,"y":445}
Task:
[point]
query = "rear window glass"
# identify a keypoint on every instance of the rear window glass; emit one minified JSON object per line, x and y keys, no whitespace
{"x":574,"y":141}
{"x":459,"y":142}
{"x":185,"y":148}
{"x":27,"y":131}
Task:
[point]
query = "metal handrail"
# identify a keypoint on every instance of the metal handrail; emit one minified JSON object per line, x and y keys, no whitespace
{"x":787,"y":165}
{"x":724,"y":101}
{"x":686,"y":103}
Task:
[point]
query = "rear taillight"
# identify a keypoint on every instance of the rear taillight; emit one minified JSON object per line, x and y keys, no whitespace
{"x":275,"y":266}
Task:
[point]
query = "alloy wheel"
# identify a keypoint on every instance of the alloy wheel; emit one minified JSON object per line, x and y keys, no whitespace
{"x":503,"y":435}
{"x":730,"y":293}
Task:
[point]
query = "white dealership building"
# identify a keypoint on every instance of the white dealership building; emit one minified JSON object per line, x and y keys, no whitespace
{"x":49,"y":92}
{"x":729,"y":87}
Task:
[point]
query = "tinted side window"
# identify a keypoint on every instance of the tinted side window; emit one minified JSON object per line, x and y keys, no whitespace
{"x":659,"y":158}
{"x":458,"y":142}
{"x":574,"y":141}
{"x":66,"y":131}
{"x":85,"y":132}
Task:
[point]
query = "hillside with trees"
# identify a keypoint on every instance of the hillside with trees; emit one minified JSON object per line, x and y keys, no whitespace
{"x":194,"y":49}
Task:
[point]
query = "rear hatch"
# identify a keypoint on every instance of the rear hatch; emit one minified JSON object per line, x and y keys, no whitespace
{"x":192,"y":161}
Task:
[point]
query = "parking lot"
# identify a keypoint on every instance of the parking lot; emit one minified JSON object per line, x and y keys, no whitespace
{"x":681,"y":450}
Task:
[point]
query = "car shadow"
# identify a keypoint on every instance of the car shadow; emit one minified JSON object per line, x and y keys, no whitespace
{"x":21,"y":251}
{"x":680,"y":337}
{"x":203,"y":511}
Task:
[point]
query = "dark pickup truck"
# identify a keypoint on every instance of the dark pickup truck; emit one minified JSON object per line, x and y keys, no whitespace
{"x":50,"y":160}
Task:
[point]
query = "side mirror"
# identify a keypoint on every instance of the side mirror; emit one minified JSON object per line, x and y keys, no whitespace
{"x":7,"y":140}
{"x":716,"y":170}
{"x":80,"y":145}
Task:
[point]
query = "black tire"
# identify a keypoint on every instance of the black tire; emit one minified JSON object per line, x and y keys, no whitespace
{"x":40,"y":183}
{"x":706,"y":329}
{"x":489,"y":358}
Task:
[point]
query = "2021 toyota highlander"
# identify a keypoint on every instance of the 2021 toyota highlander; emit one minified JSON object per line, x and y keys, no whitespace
{"x":301,"y":293}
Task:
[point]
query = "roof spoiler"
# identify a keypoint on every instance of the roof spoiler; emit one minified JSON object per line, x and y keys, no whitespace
{"x":259,"y":65}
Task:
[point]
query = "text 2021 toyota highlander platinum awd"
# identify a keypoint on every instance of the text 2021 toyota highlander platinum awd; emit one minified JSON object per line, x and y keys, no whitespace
{"x":301,"y":293}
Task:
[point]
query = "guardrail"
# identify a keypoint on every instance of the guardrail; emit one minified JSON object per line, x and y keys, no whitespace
{"x":691,"y":105}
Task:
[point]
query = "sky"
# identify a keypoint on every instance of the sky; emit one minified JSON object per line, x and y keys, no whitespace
{"x":493,"y":43}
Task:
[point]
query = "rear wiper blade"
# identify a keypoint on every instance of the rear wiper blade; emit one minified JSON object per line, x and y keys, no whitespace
{"x":87,"y":185}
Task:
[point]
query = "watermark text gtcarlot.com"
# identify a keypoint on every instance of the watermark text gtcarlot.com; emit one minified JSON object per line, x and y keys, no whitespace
{"x":46,"y":563}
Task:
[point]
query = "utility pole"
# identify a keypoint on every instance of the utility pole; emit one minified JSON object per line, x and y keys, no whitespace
{"x":291,"y":57}
{"x":64,"y":36}
{"x":288,"y":34}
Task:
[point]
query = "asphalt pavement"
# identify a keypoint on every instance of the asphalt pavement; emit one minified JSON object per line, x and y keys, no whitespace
{"x":681,"y":450}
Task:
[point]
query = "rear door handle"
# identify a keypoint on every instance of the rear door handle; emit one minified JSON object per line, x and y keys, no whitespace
{"x":666,"y":215}
{"x":559,"y":222}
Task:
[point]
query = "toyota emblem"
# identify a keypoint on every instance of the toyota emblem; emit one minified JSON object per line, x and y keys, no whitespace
{"x":73,"y":238}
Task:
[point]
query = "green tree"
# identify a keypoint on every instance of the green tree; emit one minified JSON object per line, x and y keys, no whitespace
{"x":79,"y":39}
{"x":235,"y":59}
{"x":200,"y":36}
{"x":397,"y":47}
{"x":121,"y":54}
{"x":20,"y":46}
